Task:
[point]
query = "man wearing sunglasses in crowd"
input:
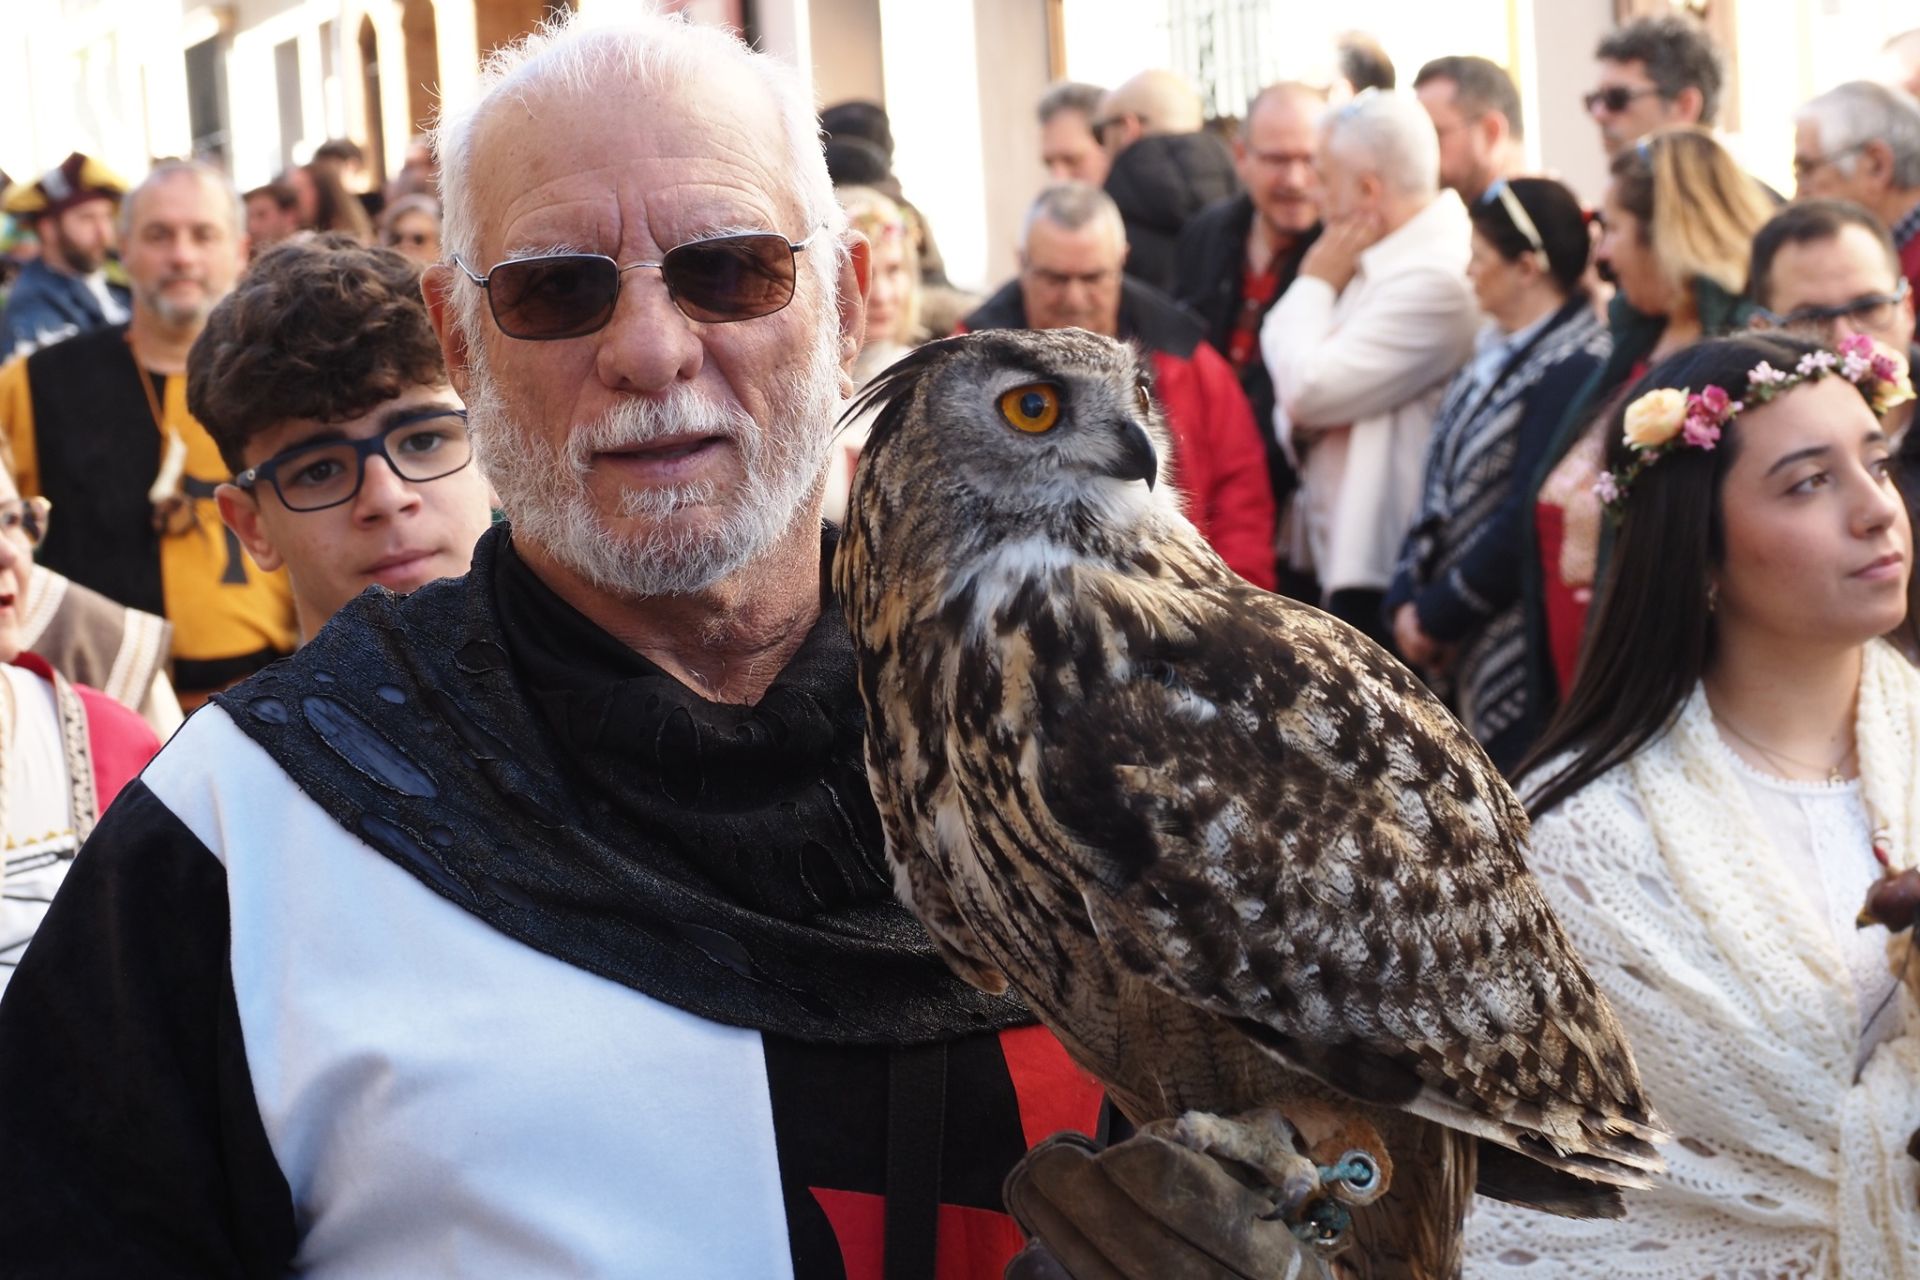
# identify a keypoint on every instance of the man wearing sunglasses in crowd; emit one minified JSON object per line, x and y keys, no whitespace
{"x":1654,"y":73}
{"x":536,"y":923}
{"x":322,"y":382}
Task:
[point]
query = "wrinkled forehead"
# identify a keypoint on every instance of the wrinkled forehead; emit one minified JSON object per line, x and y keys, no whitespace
{"x":707,"y":150}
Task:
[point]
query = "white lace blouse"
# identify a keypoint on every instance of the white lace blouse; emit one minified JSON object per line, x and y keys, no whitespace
{"x":1714,"y":906}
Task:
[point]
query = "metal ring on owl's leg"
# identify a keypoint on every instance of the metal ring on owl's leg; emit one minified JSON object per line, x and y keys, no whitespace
{"x":1354,"y":1178}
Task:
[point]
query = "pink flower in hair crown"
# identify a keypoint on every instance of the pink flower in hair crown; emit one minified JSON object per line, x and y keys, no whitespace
{"x":1669,"y":418}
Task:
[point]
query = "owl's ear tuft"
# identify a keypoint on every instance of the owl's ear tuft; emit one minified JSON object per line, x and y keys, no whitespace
{"x":891,"y":390}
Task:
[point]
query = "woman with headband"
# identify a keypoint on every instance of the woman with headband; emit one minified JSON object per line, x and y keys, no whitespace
{"x":1454,"y":605}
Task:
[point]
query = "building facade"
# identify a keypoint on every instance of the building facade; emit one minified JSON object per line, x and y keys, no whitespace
{"x":257,"y":84}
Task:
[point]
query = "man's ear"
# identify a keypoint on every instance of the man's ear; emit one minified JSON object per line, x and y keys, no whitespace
{"x":1876,"y":162}
{"x":437,"y":283}
{"x":1687,"y":106}
{"x":856,"y":277}
{"x":240,"y":511}
{"x":1493,"y":129}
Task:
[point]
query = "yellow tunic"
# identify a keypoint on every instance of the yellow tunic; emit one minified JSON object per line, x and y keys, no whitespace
{"x":227,"y":614}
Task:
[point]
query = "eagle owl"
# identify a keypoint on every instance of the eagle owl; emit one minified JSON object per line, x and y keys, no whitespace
{"x":1233,"y":854}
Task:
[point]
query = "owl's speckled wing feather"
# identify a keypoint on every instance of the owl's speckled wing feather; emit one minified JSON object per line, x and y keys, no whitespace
{"x":1342,"y":866}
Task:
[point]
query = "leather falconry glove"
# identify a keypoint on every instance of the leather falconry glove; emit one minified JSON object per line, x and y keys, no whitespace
{"x":1146,"y":1209}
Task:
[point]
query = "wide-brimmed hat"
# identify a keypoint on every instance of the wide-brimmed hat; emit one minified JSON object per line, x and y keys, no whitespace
{"x":73,"y":181}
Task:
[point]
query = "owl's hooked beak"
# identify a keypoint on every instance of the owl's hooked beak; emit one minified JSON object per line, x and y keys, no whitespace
{"x":1136,"y":459}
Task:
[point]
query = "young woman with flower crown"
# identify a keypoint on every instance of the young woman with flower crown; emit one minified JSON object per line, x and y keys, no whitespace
{"x":1736,"y":768}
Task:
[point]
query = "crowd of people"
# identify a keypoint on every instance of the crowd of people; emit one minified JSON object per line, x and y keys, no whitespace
{"x":508,"y":898}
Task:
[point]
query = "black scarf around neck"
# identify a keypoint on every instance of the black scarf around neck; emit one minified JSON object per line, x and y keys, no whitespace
{"x":524,"y":764}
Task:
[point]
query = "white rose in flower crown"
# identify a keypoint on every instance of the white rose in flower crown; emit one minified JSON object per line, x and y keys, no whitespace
{"x":1656,"y":418}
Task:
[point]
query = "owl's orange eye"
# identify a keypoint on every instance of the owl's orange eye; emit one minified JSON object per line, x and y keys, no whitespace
{"x":1033,"y":408}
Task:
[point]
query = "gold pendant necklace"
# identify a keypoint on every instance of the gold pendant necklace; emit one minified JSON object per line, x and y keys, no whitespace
{"x":1835,"y":772}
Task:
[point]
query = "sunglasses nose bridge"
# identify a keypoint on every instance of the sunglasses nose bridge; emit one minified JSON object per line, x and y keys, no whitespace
{"x":624,"y":285}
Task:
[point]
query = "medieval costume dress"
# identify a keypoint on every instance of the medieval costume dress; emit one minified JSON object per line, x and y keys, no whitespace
{"x":65,"y":752}
{"x":91,"y":640}
{"x":467,"y":941}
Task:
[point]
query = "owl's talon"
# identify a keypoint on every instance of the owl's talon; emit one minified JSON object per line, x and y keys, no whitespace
{"x":1324,"y":1225}
{"x":1266,"y":1142}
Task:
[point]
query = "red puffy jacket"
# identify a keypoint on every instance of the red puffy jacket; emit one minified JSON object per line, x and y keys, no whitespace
{"x":1219,"y":462}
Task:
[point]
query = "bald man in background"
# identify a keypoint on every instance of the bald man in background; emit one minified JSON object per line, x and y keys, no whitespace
{"x":1165,"y":169}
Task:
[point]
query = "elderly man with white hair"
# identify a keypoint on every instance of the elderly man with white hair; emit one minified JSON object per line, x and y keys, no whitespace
{"x":1861,"y":142}
{"x":539,"y":923}
{"x":1361,"y":346}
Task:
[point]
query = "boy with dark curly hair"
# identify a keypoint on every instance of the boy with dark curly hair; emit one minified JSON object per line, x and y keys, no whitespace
{"x":322,"y":382}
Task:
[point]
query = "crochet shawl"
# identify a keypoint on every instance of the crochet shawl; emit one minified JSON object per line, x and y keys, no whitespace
{"x":1744,"y":1020}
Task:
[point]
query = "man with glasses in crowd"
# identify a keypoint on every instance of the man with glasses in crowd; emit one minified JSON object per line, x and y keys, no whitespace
{"x":1654,"y":73}
{"x":539,"y":922}
{"x":1826,"y":270}
{"x":321,"y":380}
{"x":1861,"y":142}
{"x":1239,"y":254}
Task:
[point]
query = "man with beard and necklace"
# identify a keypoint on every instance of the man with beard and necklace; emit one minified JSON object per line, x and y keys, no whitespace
{"x":65,"y":290}
{"x":538,"y":923}
{"x":99,"y":425}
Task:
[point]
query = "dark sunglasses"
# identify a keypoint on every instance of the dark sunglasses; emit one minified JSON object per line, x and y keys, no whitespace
{"x":1871,"y":311}
{"x":418,"y":447}
{"x":713,"y":281}
{"x":1615,"y":98}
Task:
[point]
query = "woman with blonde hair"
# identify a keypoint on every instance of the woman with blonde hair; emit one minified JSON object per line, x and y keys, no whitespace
{"x":893,"y":317}
{"x":1723,"y":807}
{"x":1677,"y":223}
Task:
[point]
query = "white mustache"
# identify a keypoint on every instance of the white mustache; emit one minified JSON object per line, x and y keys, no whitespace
{"x":641,"y":422}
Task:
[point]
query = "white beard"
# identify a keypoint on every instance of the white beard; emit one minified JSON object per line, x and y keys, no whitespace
{"x":543,"y":486}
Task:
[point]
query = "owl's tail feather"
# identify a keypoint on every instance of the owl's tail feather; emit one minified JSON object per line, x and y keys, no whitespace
{"x":1505,"y":1174}
{"x":1612,"y":1149}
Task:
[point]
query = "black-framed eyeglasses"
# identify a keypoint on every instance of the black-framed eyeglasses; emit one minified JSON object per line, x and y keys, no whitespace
{"x":1615,"y":98}
{"x":713,"y":281}
{"x":25,"y":518}
{"x":418,"y":447}
{"x":1872,"y":312}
